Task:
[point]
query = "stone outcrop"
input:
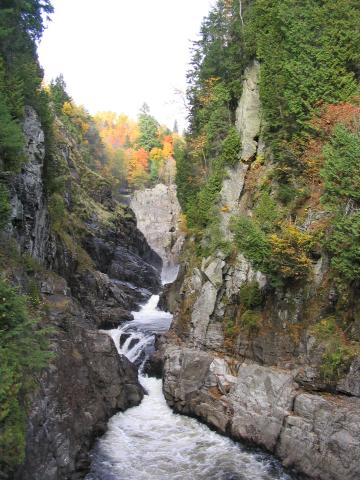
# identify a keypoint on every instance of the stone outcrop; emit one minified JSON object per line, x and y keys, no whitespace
{"x":318,"y":435}
{"x":86,"y":383}
{"x":248,"y":124}
{"x":30,"y":224}
{"x":158,"y":213}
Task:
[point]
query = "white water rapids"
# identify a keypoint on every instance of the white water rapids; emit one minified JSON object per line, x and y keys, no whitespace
{"x":150,"y":442}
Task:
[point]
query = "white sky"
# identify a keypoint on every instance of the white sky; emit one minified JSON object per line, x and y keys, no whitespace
{"x":117,"y":54}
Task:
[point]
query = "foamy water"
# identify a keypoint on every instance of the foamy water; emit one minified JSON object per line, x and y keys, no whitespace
{"x":150,"y":442}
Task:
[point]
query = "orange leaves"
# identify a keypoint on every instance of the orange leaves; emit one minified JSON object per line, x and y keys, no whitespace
{"x":331,"y":115}
{"x":121,"y":136}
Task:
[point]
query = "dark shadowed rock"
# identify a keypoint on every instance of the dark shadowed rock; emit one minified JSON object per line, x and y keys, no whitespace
{"x":86,"y":383}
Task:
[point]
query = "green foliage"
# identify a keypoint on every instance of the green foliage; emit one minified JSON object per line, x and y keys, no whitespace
{"x":251,"y":320}
{"x":148,"y":130}
{"x":252,"y":241}
{"x":215,"y":81}
{"x":202,"y":211}
{"x":11,"y":136}
{"x":337,"y":352}
{"x":231,"y":148}
{"x":325,"y":329}
{"x":267,"y":212}
{"x":309,"y":54}
{"x":342,"y":185}
{"x":343,"y":243}
{"x":4,"y":206}
{"x":251,"y":295}
{"x":286,"y":193}
{"x":341,"y":172}
{"x":58,"y":94}
{"x":22,"y":353}
{"x":21,"y":25}
{"x":57,"y":211}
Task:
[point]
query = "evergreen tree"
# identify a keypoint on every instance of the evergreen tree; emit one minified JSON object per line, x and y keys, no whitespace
{"x":148,"y":130}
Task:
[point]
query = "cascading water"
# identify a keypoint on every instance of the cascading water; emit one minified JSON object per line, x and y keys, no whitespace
{"x":150,"y":442}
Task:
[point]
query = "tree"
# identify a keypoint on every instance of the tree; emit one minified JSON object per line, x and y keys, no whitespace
{"x":148,"y":130}
{"x":58,"y":93}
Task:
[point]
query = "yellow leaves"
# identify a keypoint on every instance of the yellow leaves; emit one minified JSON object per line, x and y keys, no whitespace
{"x":156,"y":154}
{"x":208,"y":94}
{"x":290,"y":251}
{"x":68,"y":109}
{"x":197,"y":145}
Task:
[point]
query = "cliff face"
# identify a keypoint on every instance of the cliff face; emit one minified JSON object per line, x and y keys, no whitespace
{"x":158,"y":214}
{"x":88,"y":268}
{"x":243,"y":354}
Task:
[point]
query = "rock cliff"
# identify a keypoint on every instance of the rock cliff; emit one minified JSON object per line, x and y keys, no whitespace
{"x":158,"y":214}
{"x":243,"y":353}
{"x":88,"y":266}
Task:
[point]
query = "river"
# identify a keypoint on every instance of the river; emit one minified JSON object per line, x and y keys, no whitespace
{"x":151,"y":442}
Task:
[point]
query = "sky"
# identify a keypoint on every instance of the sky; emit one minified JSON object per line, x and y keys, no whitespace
{"x":117,"y":54}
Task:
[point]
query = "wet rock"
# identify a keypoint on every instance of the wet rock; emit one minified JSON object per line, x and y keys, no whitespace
{"x":112,"y":317}
{"x":133,"y":342}
{"x":123,"y":338}
{"x":86,"y":384}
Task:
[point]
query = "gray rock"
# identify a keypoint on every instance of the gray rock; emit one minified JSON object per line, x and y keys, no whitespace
{"x":262,"y":397}
{"x":351,"y":383}
{"x":230,"y":193}
{"x":317,"y":435}
{"x":29,"y":217}
{"x":321,"y":438}
{"x":248,"y":118}
{"x":158,"y":214}
{"x":203,"y":308}
{"x":212,"y":269}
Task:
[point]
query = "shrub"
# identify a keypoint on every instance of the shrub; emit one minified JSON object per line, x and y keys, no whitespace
{"x":230,"y":148}
{"x":266,"y":212}
{"x":343,"y":243}
{"x":338,"y":353}
{"x":251,"y":295}
{"x":341,"y":172}
{"x":289,"y":252}
{"x":4,"y":206}
{"x":252,"y":241}
{"x":342,"y":197}
{"x":22,"y":352}
{"x":251,"y":320}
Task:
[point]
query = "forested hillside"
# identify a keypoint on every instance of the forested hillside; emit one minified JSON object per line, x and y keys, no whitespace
{"x":269,"y":185}
{"x":59,"y":168}
{"x":309,"y":87}
{"x":129,"y":154}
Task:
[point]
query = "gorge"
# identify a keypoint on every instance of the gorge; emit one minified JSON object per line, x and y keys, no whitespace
{"x":185,"y":306}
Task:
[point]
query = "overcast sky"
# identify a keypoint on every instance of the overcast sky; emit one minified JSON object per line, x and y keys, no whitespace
{"x":117,"y":54}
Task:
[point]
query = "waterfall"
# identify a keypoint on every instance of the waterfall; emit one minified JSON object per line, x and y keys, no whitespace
{"x":151,"y":442}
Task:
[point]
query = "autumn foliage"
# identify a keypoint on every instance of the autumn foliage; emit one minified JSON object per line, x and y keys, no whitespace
{"x":139,"y":153}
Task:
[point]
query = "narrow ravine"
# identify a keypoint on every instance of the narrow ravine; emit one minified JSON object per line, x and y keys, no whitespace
{"x":151,"y":442}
